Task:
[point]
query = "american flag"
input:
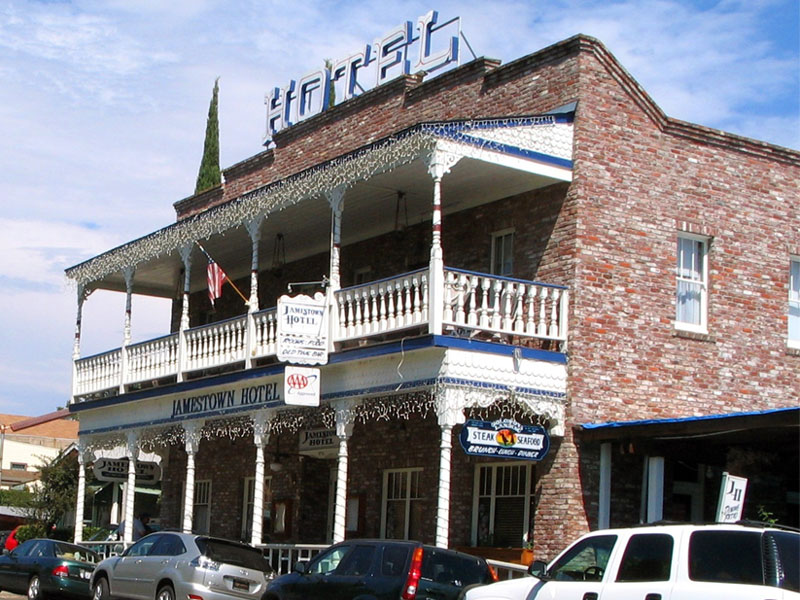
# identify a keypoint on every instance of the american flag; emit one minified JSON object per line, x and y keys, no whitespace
{"x":216,"y":278}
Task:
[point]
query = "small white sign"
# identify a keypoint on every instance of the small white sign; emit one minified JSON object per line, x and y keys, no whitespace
{"x":302,"y":329}
{"x":301,"y":386}
{"x":731,"y":498}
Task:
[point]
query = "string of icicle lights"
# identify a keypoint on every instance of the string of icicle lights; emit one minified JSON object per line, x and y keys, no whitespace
{"x":539,"y":134}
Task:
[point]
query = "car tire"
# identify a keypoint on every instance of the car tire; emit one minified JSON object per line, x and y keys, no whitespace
{"x":35,"y":589}
{"x":165,"y":592}
{"x":100,"y":590}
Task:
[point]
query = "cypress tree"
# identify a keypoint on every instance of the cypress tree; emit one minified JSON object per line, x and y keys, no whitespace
{"x":209,"y":174}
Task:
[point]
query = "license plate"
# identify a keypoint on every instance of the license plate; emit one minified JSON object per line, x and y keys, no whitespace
{"x":86,"y":574}
{"x":241,"y":584}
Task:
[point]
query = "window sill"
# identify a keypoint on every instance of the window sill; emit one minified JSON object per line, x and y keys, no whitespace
{"x":694,"y":335}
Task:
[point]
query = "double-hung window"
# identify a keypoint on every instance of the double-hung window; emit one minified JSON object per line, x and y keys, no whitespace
{"x":503,"y":252}
{"x":502,"y":504}
{"x":691,"y":310}
{"x":794,"y":303}
{"x":201,"y":511}
{"x":402,"y":504}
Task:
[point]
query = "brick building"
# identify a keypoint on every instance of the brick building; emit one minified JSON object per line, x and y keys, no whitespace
{"x":532,"y":250}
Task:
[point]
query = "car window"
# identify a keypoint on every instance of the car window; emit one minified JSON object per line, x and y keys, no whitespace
{"x":168,"y":545}
{"x":789,"y":559}
{"x":40,"y":549}
{"x":232,"y":553}
{"x":357,"y":562}
{"x":72,"y":552}
{"x":327,"y":562}
{"x":452,"y":569}
{"x":726,"y":557}
{"x":24,"y":548}
{"x":648,"y":557}
{"x":393,"y":560}
{"x":143,"y":546}
{"x":585,"y":561}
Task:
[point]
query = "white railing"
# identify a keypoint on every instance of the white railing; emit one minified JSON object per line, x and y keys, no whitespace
{"x":283,"y":557}
{"x":383,"y":306}
{"x":498,"y":308}
{"x":507,"y":570}
{"x":502,"y":305}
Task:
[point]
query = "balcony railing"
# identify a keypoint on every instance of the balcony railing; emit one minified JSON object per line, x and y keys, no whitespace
{"x":473,"y":304}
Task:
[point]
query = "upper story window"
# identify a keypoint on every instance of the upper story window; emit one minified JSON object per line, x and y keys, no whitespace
{"x":17,"y":466}
{"x":794,"y":303}
{"x":503,"y":252}
{"x":691,"y":309}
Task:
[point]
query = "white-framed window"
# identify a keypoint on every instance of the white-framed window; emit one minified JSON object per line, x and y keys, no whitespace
{"x":201,"y":516}
{"x":502,"y":499}
{"x":248,"y":502}
{"x":794,"y":302}
{"x":401,"y":514}
{"x":17,"y":466}
{"x":691,"y":306}
{"x":503,"y":252}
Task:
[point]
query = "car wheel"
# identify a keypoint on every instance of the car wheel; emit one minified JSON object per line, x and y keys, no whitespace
{"x":100,"y":591}
{"x":165,"y":592}
{"x":35,"y":589}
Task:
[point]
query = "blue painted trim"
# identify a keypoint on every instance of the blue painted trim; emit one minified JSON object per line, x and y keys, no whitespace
{"x":503,"y":278}
{"x":624,"y":424}
{"x":507,"y":149}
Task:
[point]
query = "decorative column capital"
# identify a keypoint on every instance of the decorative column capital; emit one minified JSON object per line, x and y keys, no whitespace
{"x":345,"y":416}
{"x":335,"y":198}
{"x":191,"y":437}
{"x":133,"y":445}
{"x":439,"y":162}
{"x":450,"y":408}
{"x":253,"y":227}
{"x":261,"y":426}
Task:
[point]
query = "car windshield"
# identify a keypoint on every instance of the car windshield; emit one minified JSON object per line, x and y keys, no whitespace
{"x":70,"y":552}
{"x":231,"y":553}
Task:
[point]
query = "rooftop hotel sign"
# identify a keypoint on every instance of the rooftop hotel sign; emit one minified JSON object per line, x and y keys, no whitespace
{"x":425,"y":46}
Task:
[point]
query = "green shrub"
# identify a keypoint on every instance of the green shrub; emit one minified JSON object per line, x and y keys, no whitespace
{"x":28,"y":532}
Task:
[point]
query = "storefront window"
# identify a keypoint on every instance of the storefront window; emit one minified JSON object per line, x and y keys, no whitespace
{"x":502,"y":509}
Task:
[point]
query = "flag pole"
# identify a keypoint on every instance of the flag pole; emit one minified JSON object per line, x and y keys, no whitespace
{"x":228,"y":279}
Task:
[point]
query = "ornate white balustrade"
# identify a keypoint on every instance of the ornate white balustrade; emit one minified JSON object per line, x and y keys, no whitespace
{"x":496,"y":308}
{"x":502,"y":305}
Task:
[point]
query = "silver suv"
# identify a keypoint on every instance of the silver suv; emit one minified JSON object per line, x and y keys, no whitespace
{"x":171,"y":565}
{"x":665,"y":562}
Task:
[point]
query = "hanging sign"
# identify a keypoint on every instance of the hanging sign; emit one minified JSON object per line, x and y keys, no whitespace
{"x":319,"y":443}
{"x":504,"y":438}
{"x":116,"y":469}
{"x":731,"y":498}
{"x":302,"y":329}
{"x":301,"y":386}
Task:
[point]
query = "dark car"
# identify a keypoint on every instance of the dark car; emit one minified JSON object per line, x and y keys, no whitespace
{"x":39,"y":568}
{"x":382,"y":570}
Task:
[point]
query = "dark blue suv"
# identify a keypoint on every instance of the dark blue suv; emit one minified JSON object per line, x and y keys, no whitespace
{"x":382,"y":570}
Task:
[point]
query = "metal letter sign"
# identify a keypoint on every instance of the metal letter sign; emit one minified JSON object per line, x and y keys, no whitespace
{"x":302,"y":330}
{"x":731,"y":498}
{"x":301,"y":386}
{"x":504,"y":438}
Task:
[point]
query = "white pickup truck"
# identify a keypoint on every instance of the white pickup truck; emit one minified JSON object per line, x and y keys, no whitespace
{"x":664,"y":562}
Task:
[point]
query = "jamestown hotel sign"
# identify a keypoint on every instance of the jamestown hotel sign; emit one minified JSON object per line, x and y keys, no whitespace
{"x":431,"y":46}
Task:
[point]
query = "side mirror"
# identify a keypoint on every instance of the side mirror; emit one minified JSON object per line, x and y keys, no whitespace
{"x":538,"y":569}
{"x":300,"y":567}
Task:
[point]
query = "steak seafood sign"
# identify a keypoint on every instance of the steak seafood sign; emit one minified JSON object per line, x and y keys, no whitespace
{"x":504,"y":438}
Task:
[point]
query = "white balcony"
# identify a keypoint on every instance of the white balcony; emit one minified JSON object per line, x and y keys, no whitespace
{"x":473,"y":305}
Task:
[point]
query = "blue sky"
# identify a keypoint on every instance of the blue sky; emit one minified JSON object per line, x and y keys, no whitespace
{"x":103,"y":106}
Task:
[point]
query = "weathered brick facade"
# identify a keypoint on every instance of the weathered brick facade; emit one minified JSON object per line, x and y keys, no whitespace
{"x":639,"y":179}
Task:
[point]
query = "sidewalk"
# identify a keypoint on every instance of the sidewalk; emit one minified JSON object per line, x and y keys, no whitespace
{"x":10,"y":596}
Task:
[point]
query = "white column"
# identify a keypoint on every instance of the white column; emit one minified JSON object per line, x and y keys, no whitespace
{"x":130,"y":485}
{"x":79,"y":504}
{"x":336,"y":200}
{"x":655,"y":488}
{"x":83,"y":294}
{"x":254,"y":229}
{"x":439,"y":163}
{"x":604,"y":501}
{"x":192,"y":441}
{"x":186,"y":257}
{"x":261,"y":439}
{"x":450,"y":413}
{"x":126,"y":339}
{"x":344,"y":429}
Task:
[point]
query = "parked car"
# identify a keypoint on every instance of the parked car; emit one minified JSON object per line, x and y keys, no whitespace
{"x":42,"y":568}
{"x":382,"y":570}
{"x":665,"y":562}
{"x":172,"y":565}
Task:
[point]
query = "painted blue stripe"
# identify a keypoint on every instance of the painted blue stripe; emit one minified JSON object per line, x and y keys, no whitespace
{"x":623,"y":424}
